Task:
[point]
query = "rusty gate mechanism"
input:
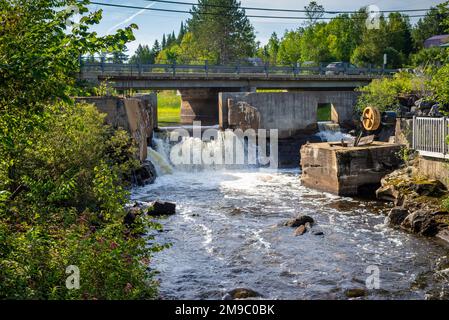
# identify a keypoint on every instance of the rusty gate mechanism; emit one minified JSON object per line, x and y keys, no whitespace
{"x":374,"y":121}
{"x":371,"y":119}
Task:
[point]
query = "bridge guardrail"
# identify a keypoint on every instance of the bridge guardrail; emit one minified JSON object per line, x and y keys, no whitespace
{"x":119,"y":69}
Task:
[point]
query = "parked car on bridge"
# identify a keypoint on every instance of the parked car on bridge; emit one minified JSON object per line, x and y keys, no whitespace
{"x":337,"y":68}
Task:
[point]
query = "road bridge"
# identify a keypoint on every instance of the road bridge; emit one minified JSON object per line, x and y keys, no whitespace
{"x":200,"y":84}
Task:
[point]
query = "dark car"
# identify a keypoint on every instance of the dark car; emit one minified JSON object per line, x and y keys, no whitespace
{"x":340,"y":68}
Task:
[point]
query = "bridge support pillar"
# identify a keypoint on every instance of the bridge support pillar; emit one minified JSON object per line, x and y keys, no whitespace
{"x":199,"y":105}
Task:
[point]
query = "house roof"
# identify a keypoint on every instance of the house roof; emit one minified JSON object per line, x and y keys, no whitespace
{"x":439,"y":37}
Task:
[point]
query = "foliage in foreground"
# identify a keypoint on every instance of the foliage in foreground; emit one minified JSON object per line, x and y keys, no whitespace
{"x":62,"y":171}
{"x":71,"y":212}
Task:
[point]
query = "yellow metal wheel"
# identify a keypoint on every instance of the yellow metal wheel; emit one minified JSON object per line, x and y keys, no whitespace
{"x":371,"y":118}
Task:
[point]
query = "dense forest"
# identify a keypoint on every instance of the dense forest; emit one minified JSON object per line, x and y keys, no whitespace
{"x":225,"y":35}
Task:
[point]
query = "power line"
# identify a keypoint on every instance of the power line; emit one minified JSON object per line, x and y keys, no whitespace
{"x":278,"y":9}
{"x":220,"y":14}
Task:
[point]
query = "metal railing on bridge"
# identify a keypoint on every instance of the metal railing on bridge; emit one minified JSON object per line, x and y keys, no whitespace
{"x":430,"y":136}
{"x":206,"y":69}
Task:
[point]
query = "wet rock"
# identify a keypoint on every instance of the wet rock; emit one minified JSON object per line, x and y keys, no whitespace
{"x":420,"y":222}
{"x":355,"y":292}
{"x":131,"y":215}
{"x":432,"y":188}
{"x":241,"y":293}
{"x":443,"y":234}
{"x":159,"y":208}
{"x":299,"y":221}
{"x":387,"y":193}
{"x":144,"y":175}
{"x":235,"y":211}
{"x":434,"y":111}
{"x":300,"y":230}
{"x":397,"y":215}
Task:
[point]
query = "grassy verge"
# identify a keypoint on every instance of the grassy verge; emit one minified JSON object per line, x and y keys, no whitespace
{"x":169,"y":108}
{"x":324,"y":112}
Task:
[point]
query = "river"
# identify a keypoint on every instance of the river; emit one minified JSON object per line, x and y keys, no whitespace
{"x":228,"y":233}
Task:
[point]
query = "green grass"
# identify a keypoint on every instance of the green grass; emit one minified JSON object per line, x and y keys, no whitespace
{"x":324,"y":112}
{"x":168,"y":108}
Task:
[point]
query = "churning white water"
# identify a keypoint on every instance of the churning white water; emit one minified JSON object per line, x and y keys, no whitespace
{"x":228,"y":232}
{"x":330,"y":132}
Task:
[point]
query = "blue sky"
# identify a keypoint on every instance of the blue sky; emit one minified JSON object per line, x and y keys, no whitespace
{"x":153,"y":24}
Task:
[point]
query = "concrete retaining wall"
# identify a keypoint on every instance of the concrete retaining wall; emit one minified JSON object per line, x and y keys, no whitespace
{"x":137,"y":115}
{"x":289,"y":112}
{"x":434,"y":168}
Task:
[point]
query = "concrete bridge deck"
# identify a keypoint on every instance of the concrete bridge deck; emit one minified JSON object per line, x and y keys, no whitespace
{"x":245,"y":82}
{"x":243,"y":78}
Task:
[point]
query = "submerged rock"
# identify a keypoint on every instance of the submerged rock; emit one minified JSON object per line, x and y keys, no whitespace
{"x":355,"y":292}
{"x":300,"y":230}
{"x":241,"y":293}
{"x":159,"y":208}
{"x":299,"y":221}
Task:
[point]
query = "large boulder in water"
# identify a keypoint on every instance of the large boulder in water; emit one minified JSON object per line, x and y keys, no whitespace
{"x":159,"y":208}
{"x":397,"y":215}
{"x":299,"y":221}
{"x":145,"y":174}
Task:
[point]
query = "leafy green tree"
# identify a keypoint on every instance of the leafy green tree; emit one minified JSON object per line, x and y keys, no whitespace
{"x":372,"y":46}
{"x":315,"y":44}
{"x":430,"y":25}
{"x":290,"y":48}
{"x":269,"y":52}
{"x":398,"y":30}
{"x":342,"y":37}
{"x":221,"y":28}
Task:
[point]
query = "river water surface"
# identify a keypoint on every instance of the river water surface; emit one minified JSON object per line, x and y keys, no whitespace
{"x":228,"y":233}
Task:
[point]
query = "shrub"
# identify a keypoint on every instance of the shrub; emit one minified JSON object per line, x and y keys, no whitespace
{"x":384,"y":93}
{"x":70,"y":211}
{"x":439,"y":85}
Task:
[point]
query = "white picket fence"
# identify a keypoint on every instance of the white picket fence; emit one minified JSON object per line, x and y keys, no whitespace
{"x":429,"y":136}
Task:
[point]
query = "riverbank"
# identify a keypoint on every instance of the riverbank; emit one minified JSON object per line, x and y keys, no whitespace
{"x":420,"y":203}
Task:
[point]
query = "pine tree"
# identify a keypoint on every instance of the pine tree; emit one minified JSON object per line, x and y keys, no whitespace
{"x":156,"y":48}
{"x":182,"y":32}
{"x":164,"y":42}
{"x":143,"y":55}
{"x":222,"y":29}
